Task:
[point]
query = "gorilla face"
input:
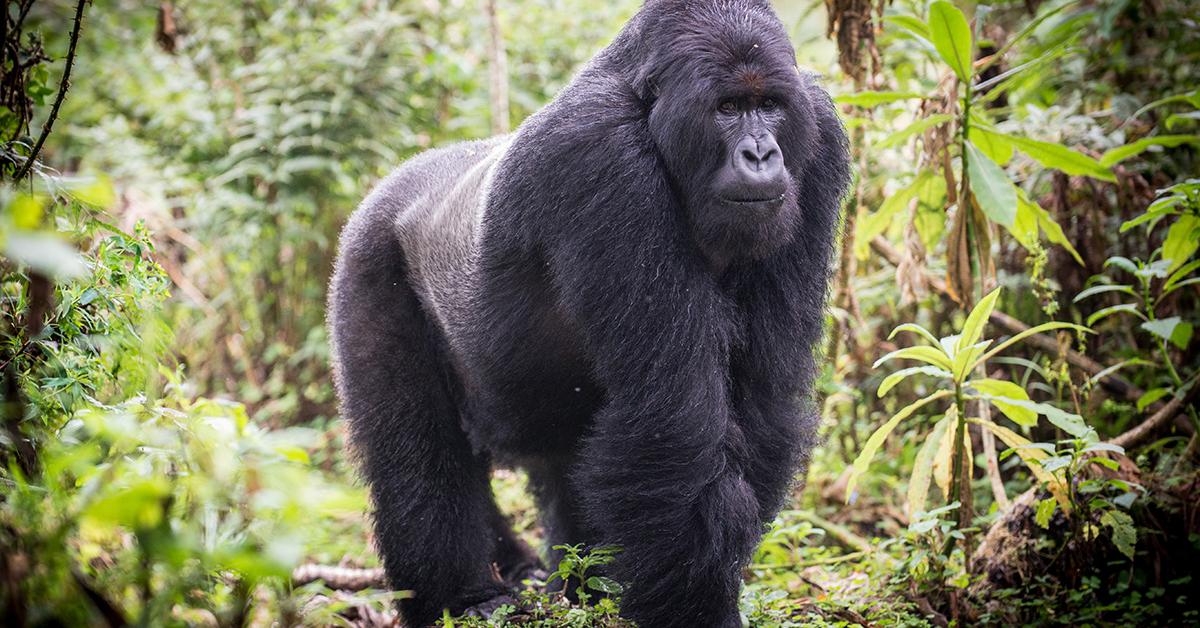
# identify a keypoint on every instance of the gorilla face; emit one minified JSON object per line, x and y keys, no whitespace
{"x":731,"y":122}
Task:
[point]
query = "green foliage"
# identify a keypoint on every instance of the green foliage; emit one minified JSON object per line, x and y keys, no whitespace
{"x":169,"y":493}
{"x":575,"y":565}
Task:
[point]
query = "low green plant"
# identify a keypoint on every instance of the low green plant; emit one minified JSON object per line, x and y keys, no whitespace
{"x":956,"y":362}
{"x":1171,"y":267}
{"x":575,"y":565}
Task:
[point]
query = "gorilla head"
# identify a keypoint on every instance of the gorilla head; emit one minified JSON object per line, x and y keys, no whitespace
{"x":622,"y":298}
{"x":728,"y":114}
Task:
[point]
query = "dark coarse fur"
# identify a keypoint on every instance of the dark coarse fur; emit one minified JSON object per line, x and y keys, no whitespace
{"x":575,"y":300}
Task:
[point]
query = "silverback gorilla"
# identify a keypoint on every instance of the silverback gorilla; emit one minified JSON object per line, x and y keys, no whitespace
{"x":623,"y":298}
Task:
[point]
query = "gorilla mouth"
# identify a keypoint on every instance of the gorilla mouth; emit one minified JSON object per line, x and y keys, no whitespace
{"x":754,"y":201}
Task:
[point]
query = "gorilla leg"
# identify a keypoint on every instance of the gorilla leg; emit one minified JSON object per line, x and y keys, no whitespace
{"x":434,"y":513}
{"x":560,"y":514}
{"x":514,"y":559}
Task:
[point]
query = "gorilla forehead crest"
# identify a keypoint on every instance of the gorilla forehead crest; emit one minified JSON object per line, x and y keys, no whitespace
{"x":720,"y":42}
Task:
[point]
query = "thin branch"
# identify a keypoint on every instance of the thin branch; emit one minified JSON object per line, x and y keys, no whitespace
{"x":63,"y":85}
{"x":339,"y":578}
{"x":1146,"y":428}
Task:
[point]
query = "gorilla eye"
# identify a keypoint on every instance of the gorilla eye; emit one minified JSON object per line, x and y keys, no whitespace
{"x":768,"y":104}
{"x":728,"y":107}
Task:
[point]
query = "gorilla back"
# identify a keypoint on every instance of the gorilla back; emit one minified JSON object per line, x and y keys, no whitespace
{"x":623,"y":297}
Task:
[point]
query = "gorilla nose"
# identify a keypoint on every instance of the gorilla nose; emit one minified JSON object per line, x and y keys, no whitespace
{"x":758,"y":161}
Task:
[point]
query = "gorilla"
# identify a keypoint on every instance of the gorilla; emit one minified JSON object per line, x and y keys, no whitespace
{"x":623,"y":298}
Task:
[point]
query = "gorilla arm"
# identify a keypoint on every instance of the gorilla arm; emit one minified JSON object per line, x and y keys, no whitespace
{"x":659,"y":475}
{"x":783,"y":299}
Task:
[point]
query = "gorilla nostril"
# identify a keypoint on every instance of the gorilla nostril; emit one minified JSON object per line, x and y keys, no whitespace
{"x":750,"y":156}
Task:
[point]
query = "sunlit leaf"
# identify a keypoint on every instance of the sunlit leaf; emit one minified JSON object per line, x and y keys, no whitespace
{"x":1032,"y":457}
{"x":1044,"y":327}
{"x":999,"y":391}
{"x":27,"y":210}
{"x":977,"y":320}
{"x":1180,"y":273}
{"x":920,"y":126}
{"x":1182,"y":240}
{"x":1054,"y":232}
{"x":1061,"y":158}
{"x":929,"y":355}
{"x":890,"y":381}
{"x":1066,"y":421}
{"x":1116,"y":155}
{"x":876,"y":439}
{"x":876,"y":223}
{"x":943,"y":460}
{"x":874,"y":99}
{"x":916,"y":329}
{"x":951,"y":36}
{"x":1045,"y":510}
{"x":909,"y":22}
{"x":922,"y":473}
{"x":992,"y":188}
{"x":992,"y":144}
{"x":1159,"y":209}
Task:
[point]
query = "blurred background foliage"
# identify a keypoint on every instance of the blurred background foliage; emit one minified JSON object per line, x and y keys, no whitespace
{"x":171,"y":448}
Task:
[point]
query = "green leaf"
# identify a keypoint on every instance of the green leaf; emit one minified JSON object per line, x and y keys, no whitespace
{"x":1174,"y":329}
{"x":1045,"y":510}
{"x":27,"y":211}
{"x":920,"y":126}
{"x":1054,"y":232}
{"x":605,"y":585}
{"x":1124,"y":263}
{"x":1061,"y":158}
{"x":876,"y":439}
{"x":1116,"y":155}
{"x":916,"y":329}
{"x":1129,"y":308}
{"x":977,"y":320}
{"x":1033,"y":458}
{"x":911,"y":23}
{"x":890,"y":381}
{"x":926,"y":354}
{"x":874,"y":99}
{"x":1179,"y":274}
{"x":1158,"y":209}
{"x":1182,"y":241}
{"x":875,"y":224}
{"x":1101,"y":289}
{"x":999,"y":391}
{"x":1124,"y":533}
{"x":1044,"y":327}
{"x":992,"y":188}
{"x":992,"y":144}
{"x":1066,"y":421}
{"x":922,"y":473}
{"x":951,"y":36}
{"x":1150,"y":396}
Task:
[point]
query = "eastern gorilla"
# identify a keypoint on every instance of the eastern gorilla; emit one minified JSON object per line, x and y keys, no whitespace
{"x":623,"y":298}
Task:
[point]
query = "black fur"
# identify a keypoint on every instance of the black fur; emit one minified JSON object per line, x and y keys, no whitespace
{"x":583,"y":299}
